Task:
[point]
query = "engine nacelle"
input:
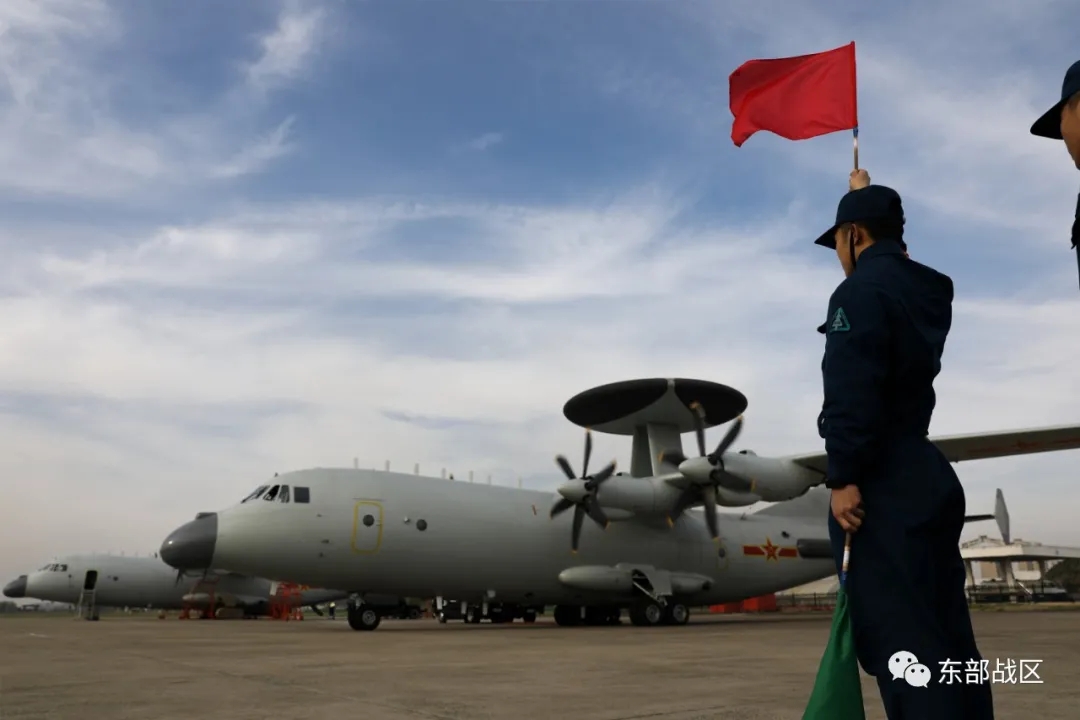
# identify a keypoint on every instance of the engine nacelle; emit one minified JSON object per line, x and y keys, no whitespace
{"x":634,"y":494}
{"x":771,"y":479}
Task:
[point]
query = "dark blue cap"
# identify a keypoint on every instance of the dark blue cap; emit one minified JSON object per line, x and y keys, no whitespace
{"x":1049,"y":125}
{"x":871,"y":204}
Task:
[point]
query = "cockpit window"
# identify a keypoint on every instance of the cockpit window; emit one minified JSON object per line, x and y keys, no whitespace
{"x":255,"y":493}
{"x":283,"y":494}
{"x":271,"y":494}
{"x":301,"y":494}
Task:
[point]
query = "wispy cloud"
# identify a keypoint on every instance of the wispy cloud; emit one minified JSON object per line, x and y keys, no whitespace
{"x":161,"y":358}
{"x":485,"y":141}
{"x":60,"y":133}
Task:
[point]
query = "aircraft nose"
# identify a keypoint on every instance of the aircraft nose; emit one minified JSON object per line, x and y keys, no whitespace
{"x":16,"y":588}
{"x":191,"y":546}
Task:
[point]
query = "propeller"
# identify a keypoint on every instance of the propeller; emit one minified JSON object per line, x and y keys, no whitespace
{"x":705,"y":475}
{"x":580,"y":493}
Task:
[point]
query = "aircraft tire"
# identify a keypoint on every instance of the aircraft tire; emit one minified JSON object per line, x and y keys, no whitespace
{"x":676,"y":614}
{"x":472,"y":615}
{"x":442,"y":618}
{"x":529,"y":616}
{"x":647,"y":614}
{"x":364,"y":618}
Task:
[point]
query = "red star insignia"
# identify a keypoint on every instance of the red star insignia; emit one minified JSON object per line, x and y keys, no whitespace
{"x":772,"y":552}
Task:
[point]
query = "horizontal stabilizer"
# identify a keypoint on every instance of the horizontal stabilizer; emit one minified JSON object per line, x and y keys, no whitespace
{"x":982,"y":446}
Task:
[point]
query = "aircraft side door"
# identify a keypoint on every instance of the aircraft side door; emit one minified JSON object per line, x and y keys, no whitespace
{"x":367,"y":527}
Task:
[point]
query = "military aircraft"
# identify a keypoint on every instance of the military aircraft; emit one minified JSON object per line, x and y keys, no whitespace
{"x":94,"y":581}
{"x":507,"y":550}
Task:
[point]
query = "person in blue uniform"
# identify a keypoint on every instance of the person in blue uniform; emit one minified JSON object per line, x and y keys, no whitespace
{"x":885,"y":332}
{"x":1062,"y":122}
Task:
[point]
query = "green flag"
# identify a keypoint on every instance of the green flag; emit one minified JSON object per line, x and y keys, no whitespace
{"x":837,"y":693}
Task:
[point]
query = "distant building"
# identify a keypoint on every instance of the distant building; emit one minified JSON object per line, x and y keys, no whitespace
{"x":1023,"y":570}
{"x":985,"y":559}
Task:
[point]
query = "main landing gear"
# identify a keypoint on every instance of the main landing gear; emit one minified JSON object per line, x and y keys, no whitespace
{"x":644,"y":613}
{"x":650,"y":613}
{"x":363,"y":617}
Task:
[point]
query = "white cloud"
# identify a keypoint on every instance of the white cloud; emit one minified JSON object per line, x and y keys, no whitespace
{"x":151,"y":371}
{"x":60,"y":134}
{"x":286,"y":51}
{"x":485,"y":141}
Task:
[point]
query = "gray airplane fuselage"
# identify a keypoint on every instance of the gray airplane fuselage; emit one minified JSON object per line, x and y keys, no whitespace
{"x":133,"y":581}
{"x":406,"y":535}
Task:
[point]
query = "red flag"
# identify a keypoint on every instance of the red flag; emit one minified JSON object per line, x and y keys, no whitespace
{"x":796,"y":97}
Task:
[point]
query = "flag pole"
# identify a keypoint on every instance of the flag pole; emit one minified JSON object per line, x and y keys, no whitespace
{"x":847,"y":541}
{"x":855,"y":131}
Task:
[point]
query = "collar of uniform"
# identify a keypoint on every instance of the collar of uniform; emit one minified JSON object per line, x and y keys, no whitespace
{"x":878,"y":249}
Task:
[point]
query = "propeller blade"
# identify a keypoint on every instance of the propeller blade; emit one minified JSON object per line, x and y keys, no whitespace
{"x":565,"y":465}
{"x":604,"y":474}
{"x":561,"y":506}
{"x":596,"y":512}
{"x":732,"y":433}
{"x":674,"y":457}
{"x":686,"y":499}
{"x":579,"y":518}
{"x":588,"y":453}
{"x":699,"y":426}
{"x":709,"y":495}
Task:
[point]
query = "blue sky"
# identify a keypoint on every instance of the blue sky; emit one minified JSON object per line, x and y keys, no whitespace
{"x":254,"y":237}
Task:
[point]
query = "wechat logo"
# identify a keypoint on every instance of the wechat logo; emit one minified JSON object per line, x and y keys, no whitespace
{"x":905,"y":666}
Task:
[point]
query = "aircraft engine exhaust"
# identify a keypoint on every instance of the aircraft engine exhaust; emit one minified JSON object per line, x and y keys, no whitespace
{"x":580,"y":493}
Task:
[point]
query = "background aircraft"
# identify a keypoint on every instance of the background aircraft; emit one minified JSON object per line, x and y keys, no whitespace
{"x":396,"y":534}
{"x":147,"y":582}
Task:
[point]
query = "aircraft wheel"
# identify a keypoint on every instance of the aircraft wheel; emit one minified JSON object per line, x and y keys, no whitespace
{"x":472,"y":616}
{"x":529,"y":616}
{"x":364,"y":618}
{"x":677,"y":614}
{"x":567,"y":615}
{"x":647,"y":614}
{"x":614,"y":616}
{"x":442,"y":618}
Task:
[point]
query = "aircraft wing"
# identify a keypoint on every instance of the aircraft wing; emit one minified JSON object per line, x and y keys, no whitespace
{"x":980,"y":446}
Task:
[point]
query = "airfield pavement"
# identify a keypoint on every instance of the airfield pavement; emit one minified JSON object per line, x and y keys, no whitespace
{"x":717,"y":667}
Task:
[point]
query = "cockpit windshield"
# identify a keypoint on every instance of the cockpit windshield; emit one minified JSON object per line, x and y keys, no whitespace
{"x":54,"y":567}
{"x":255,"y":493}
{"x":279,"y":493}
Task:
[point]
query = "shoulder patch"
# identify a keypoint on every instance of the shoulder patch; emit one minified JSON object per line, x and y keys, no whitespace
{"x":839,"y":322}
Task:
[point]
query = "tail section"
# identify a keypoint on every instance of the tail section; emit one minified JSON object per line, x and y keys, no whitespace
{"x":1001,"y":516}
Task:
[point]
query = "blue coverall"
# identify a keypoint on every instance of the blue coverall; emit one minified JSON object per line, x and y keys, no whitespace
{"x":885,"y":334}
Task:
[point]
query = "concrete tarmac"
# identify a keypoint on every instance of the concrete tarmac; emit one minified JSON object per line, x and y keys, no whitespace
{"x":717,"y":668}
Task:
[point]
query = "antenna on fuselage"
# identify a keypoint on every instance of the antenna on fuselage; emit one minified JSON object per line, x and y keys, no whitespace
{"x":444,"y":473}
{"x":470,"y":476}
{"x":356,"y":463}
{"x":387,"y":466}
{"x":489,"y":479}
{"x":416,"y":469}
